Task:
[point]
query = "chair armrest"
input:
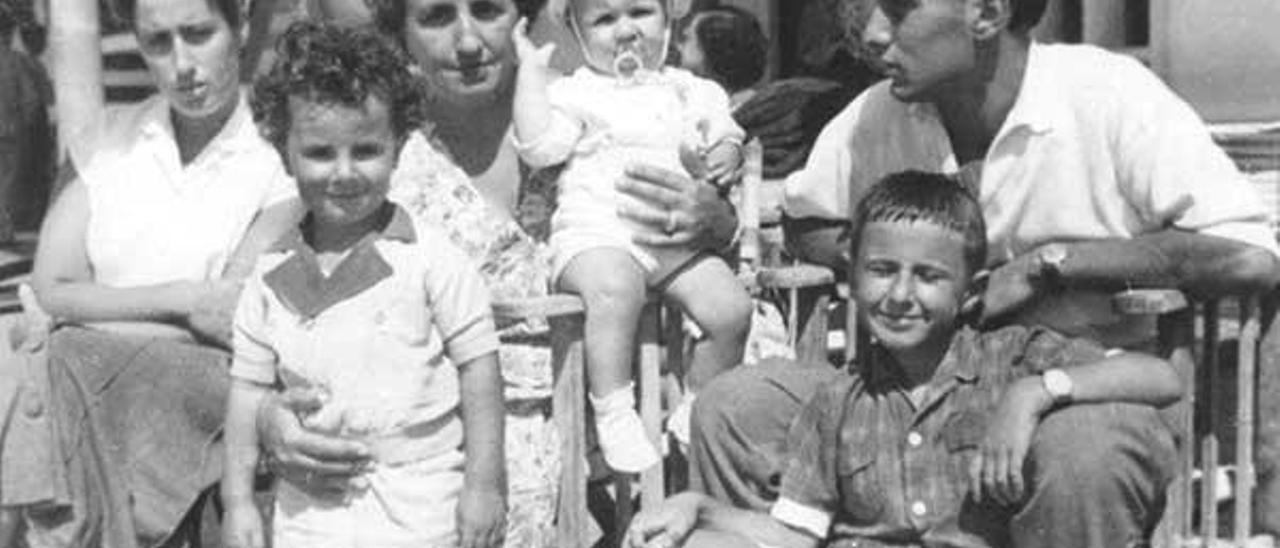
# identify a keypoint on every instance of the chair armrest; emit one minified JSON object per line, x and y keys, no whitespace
{"x":1148,"y":301}
{"x":795,"y":277}
{"x":550,"y":306}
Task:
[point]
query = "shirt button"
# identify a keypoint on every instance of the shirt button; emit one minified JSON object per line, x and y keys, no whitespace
{"x":918,"y":508}
{"x":914,"y":439}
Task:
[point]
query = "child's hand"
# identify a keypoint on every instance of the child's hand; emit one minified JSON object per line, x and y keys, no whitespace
{"x":242,"y":527}
{"x":995,"y":473}
{"x":723,"y":161}
{"x":482,"y":518}
{"x":529,"y":53}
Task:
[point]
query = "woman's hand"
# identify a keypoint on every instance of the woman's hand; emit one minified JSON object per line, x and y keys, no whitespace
{"x":213,"y":310}
{"x":680,"y":211}
{"x":307,"y":460}
{"x":482,"y":518}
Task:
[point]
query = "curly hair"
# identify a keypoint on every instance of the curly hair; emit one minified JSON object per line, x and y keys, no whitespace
{"x":389,"y":15}
{"x":343,"y":66}
{"x":230,"y":10}
{"x":733,"y":45}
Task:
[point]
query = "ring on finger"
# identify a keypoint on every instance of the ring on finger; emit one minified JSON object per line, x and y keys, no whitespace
{"x":670,"y":227}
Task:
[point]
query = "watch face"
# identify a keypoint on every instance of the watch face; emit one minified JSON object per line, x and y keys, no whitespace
{"x":1057,"y":383}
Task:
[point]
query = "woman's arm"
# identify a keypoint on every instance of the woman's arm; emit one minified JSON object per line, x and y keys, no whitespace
{"x":63,"y":277}
{"x":268,"y":226}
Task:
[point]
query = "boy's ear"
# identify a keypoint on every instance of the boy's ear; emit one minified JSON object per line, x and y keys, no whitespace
{"x":987,"y":18}
{"x":971,"y":308}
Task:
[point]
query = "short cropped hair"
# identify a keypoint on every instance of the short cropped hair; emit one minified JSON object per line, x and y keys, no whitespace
{"x":389,"y":15}
{"x":916,"y":196}
{"x":230,"y":10}
{"x":1025,"y":14}
{"x":331,"y":64}
{"x":734,"y":47}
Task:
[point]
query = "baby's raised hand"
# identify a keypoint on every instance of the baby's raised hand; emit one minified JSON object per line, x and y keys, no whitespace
{"x":530,"y":54}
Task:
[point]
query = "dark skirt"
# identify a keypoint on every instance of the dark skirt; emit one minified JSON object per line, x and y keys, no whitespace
{"x":134,"y":434}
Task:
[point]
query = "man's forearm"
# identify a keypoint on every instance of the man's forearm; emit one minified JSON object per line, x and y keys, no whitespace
{"x":1202,"y":264}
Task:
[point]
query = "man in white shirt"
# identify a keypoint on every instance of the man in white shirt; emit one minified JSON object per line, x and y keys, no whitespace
{"x":1092,"y":175}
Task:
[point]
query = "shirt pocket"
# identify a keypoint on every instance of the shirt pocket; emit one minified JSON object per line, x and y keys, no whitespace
{"x":962,"y":436}
{"x":861,"y":495}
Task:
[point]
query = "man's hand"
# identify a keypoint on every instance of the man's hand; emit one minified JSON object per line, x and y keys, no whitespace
{"x":211,"y":315}
{"x":307,"y":460}
{"x":242,"y":527}
{"x":482,"y":518}
{"x":679,"y":211}
{"x":996,"y":471}
{"x":1011,"y":287}
{"x":667,"y":525}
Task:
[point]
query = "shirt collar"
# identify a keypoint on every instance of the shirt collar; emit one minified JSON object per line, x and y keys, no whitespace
{"x":397,"y":225}
{"x":303,"y":288}
{"x":238,"y":133}
{"x":1038,"y":107}
{"x":960,"y":362}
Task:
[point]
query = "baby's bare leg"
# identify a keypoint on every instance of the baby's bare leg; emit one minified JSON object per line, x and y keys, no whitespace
{"x":612,"y":286}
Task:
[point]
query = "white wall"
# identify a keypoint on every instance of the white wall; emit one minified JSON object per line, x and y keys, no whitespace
{"x":1221,"y":55}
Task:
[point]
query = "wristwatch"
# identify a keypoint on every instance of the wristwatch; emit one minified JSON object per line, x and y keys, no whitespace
{"x":1051,"y":259}
{"x":1058,"y":384}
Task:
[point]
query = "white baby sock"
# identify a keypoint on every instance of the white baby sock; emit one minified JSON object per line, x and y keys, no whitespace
{"x":621,"y":433}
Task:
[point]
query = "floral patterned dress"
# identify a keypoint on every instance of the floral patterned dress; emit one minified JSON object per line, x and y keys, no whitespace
{"x":515,"y":264}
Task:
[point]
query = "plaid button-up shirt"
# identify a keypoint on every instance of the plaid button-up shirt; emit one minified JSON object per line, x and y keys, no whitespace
{"x":880,"y":470}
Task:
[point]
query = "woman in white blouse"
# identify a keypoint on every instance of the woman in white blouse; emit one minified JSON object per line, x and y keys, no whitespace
{"x":139,"y":264}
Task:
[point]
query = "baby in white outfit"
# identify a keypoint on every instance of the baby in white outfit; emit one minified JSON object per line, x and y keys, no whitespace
{"x":624,"y":108}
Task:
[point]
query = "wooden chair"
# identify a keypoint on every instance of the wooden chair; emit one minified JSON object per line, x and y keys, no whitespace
{"x":660,"y":348}
{"x":1191,"y":333}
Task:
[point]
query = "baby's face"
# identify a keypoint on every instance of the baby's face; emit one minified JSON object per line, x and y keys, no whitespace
{"x":341,"y":157}
{"x":622,"y":36}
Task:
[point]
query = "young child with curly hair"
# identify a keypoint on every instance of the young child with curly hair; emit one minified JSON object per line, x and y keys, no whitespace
{"x":625,"y":108}
{"x":384,"y":316}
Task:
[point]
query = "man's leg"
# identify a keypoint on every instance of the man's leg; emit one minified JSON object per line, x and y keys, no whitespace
{"x":739,"y":429}
{"x":1097,"y":476}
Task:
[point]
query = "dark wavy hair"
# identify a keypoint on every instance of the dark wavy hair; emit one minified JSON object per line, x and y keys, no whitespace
{"x":916,"y":196}
{"x":126,"y":10}
{"x":734,"y":47}
{"x":389,"y":15}
{"x":336,"y":65}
